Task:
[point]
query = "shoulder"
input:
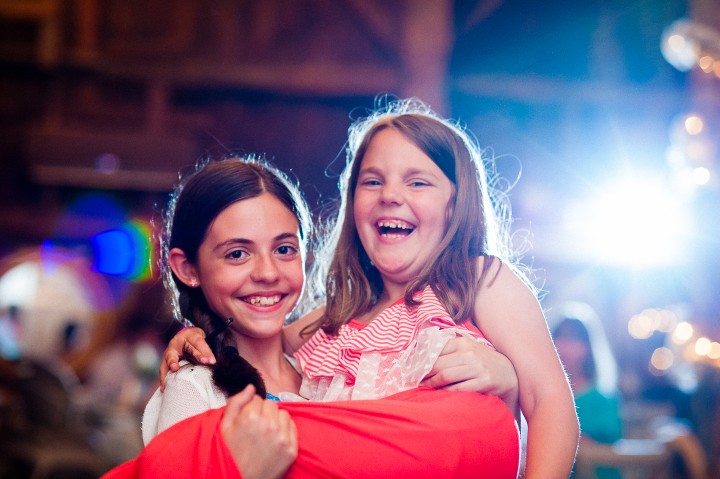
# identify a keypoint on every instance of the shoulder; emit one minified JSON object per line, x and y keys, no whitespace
{"x":193,"y":383}
{"x":190,"y":377}
{"x":190,"y":372}
{"x":501,"y":275}
{"x":503,"y":297}
{"x":188,"y":391}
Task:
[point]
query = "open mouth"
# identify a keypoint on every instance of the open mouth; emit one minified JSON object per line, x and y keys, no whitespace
{"x":394,"y":228}
{"x":263,"y":300}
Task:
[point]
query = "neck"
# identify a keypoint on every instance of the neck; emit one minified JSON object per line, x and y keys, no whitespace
{"x":387,"y":297}
{"x":392,"y":291}
{"x":266,"y":355}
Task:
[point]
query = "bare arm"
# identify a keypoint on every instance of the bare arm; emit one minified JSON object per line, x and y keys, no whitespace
{"x":511,"y":318}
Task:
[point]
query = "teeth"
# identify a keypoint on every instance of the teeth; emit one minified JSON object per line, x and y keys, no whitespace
{"x":263,"y":300}
{"x":394,"y":224}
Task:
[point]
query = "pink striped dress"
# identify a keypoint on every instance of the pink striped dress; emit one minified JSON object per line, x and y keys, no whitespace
{"x":390,"y":354}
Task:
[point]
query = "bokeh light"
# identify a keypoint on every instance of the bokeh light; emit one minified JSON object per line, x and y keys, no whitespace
{"x":714,"y":352}
{"x":125,"y":251}
{"x":682,"y":333}
{"x":702,"y":346}
{"x":662,"y":359}
{"x":694,"y":124}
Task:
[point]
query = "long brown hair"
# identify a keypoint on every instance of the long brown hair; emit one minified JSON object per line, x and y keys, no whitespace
{"x":477,"y":226}
{"x":196,"y":202}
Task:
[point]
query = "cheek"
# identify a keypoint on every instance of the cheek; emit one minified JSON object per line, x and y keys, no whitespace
{"x":359,"y":211}
{"x":214,"y":299}
{"x":296,"y":277}
{"x":361,"y":215}
{"x":218,"y":287}
{"x":363,"y":203}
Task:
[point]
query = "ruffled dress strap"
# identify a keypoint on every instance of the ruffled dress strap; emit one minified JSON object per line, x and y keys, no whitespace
{"x":392,"y":353}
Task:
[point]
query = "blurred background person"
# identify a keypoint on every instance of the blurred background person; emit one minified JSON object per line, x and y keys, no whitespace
{"x":590,"y":365}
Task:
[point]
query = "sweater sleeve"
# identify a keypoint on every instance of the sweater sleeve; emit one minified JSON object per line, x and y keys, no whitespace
{"x":188,"y":392}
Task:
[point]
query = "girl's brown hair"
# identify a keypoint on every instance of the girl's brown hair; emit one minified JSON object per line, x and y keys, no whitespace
{"x":199,"y":198}
{"x":477,"y":227}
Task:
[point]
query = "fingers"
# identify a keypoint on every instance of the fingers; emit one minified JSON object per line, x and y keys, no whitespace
{"x":236,"y":404}
{"x":445,"y":375}
{"x":288,"y":430}
{"x":189,"y":341}
{"x":169,"y":363}
{"x":459,"y":350}
{"x":280,"y":427}
{"x":195,"y":344}
{"x":460,"y":366}
{"x":239,"y":400}
{"x":261,"y":437}
{"x":454,"y":345}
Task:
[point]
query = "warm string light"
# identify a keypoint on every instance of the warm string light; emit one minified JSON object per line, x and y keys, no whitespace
{"x":687,"y":44}
{"x":685,"y":343}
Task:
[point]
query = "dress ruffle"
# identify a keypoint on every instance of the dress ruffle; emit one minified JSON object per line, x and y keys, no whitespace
{"x":391,"y":354}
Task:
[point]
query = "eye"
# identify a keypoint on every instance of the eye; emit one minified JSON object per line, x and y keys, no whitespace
{"x":418,"y":183}
{"x":287,"y":250}
{"x":371,"y":183}
{"x":236,"y":254}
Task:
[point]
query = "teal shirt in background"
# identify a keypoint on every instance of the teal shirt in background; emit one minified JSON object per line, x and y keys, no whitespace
{"x":599,"y":417}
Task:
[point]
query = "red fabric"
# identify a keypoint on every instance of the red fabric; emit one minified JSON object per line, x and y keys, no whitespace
{"x":421,"y":433}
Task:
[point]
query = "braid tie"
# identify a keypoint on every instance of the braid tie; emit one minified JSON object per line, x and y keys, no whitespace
{"x":219,"y":330}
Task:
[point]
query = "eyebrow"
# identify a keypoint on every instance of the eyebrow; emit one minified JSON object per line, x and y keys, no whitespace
{"x":412,"y":172}
{"x":244,"y":241}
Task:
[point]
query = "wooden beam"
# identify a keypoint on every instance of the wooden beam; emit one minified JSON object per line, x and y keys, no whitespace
{"x":315,"y":78}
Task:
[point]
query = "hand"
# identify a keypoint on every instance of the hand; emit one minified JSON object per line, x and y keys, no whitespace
{"x":261,"y":437}
{"x":468,"y":365}
{"x":186,"y":341}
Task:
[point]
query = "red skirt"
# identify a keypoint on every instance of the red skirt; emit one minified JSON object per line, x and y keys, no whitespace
{"x":421,"y":433}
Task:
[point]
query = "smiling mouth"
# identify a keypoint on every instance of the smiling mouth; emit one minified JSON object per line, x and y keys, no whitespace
{"x":394,"y":228}
{"x":263,"y":300}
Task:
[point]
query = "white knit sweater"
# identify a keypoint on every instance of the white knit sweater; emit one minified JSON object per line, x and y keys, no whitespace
{"x":188,"y":392}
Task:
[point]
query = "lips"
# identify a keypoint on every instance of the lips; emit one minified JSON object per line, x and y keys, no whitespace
{"x":394,"y":228}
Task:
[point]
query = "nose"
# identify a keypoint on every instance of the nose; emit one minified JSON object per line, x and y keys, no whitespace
{"x":265,"y":269}
{"x":391,"y":194}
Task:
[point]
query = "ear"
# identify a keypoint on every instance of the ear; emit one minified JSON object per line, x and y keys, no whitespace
{"x":183,"y":269}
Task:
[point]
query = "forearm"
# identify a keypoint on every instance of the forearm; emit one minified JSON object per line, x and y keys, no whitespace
{"x":553,"y":432}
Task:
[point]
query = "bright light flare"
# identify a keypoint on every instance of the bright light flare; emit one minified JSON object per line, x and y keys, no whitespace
{"x":637,"y":222}
{"x":700,"y":176}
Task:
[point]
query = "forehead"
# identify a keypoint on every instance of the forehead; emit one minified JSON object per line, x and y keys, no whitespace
{"x":258,"y":217}
{"x":389,"y":148}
